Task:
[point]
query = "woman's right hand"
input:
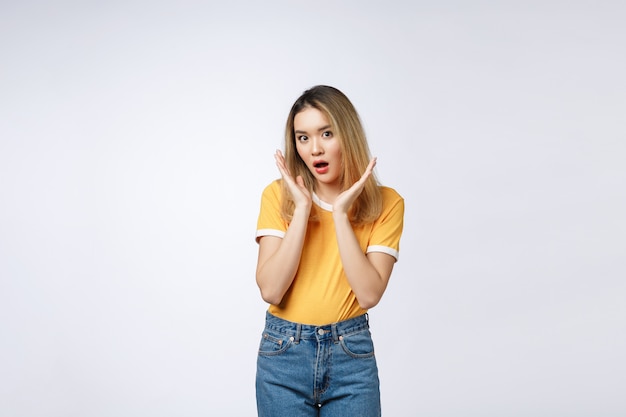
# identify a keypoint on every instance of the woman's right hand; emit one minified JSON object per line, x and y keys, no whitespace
{"x":300,"y":194}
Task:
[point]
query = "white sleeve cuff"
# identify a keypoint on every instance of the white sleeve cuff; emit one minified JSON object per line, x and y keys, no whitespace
{"x":383,"y":249}
{"x":269,"y":232}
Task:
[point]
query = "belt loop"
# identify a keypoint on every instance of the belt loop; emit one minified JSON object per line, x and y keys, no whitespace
{"x":367,"y":319}
{"x":333,"y":329}
{"x":298,"y":331}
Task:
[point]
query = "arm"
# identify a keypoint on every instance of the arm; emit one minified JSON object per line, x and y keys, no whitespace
{"x":279,"y":258}
{"x":369,"y":274}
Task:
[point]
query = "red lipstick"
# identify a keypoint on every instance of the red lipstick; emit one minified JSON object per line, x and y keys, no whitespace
{"x":321,"y":167}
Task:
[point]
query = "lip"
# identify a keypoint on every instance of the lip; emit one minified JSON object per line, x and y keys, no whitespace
{"x":322,"y":169}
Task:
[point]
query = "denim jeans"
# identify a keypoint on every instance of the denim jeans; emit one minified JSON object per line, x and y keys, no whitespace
{"x":325,"y":371}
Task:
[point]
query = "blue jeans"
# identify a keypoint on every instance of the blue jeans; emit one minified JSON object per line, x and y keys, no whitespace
{"x":325,"y":371}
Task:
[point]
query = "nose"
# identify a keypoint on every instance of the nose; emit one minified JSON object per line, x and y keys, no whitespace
{"x":316,"y":148}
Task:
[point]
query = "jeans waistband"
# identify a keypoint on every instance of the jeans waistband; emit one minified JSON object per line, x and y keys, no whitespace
{"x":308,"y":331}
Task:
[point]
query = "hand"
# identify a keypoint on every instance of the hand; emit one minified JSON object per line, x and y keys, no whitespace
{"x":344,"y":201}
{"x":300,"y":194}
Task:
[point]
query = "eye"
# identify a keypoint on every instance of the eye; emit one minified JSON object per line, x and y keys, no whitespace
{"x":302,"y":138}
{"x":327,"y":134}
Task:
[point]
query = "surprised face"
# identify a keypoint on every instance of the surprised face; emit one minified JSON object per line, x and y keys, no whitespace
{"x":319,"y":148}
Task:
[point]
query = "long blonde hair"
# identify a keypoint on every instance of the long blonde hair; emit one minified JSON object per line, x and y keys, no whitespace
{"x":355,"y":154}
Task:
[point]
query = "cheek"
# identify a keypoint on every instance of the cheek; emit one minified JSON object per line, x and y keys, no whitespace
{"x":336,"y":151}
{"x":300,"y":151}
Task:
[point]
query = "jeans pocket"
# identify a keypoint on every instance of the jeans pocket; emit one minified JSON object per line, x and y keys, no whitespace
{"x":274,"y":344}
{"x":358,"y":345}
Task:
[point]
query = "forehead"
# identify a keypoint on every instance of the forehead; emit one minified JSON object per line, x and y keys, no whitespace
{"x":310,"y":118}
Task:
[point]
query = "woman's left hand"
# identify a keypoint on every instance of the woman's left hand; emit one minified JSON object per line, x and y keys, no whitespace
{"x":344,"y":201}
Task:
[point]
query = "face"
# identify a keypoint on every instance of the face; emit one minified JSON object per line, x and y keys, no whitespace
{"x":318,"y":147}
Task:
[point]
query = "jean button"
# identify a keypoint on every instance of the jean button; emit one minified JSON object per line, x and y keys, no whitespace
{"x":320,"y":332}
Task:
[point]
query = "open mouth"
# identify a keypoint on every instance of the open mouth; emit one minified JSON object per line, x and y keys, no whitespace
{"x":321,"y":167}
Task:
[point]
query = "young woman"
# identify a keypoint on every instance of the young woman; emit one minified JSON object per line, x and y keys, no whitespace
{"x":328,"y":238}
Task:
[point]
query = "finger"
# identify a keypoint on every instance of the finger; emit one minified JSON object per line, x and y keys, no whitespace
{"x":280,"y":163}
{"x":368,"y":170}
{"x":373,"y":162}
{"x":371,"y":165}
{"x":278,"y":156}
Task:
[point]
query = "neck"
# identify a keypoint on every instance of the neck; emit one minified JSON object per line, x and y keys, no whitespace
{"x":327,"y":192}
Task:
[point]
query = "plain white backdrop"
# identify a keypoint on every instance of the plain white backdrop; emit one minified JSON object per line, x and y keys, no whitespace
{"x":136,"y":138}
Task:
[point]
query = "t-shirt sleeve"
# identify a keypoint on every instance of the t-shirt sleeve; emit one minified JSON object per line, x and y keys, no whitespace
{"x":270,"y":222}
{"x":387,"y":229}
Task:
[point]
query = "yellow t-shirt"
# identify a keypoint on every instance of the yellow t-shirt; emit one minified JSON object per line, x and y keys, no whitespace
{"x":320,"y":292}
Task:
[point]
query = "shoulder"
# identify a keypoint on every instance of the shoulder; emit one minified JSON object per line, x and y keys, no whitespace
{"x":273,"y":188}
{"x":390,"y":196}
{"x":393,"y":205}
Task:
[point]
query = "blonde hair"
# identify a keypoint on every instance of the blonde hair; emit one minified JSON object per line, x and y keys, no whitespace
{"x":355,"y":154}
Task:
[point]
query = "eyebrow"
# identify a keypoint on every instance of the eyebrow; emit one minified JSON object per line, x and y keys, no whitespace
{"x":319,"y":130}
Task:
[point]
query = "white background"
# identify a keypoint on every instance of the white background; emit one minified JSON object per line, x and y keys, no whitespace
{"x":136,"y":138}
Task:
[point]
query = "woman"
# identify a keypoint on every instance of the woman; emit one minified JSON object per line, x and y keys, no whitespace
{"x":328,"y":238}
